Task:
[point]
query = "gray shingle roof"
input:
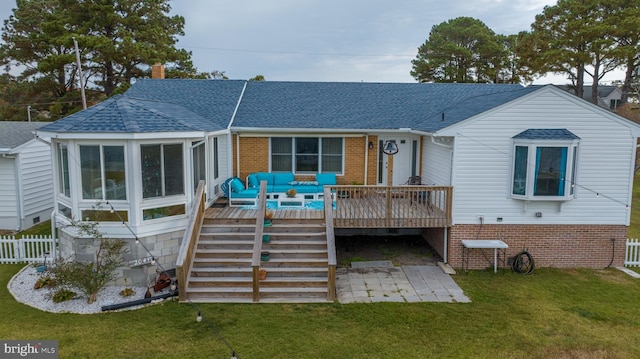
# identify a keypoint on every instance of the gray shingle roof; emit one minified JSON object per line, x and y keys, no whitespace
{"x":339,"y":105}
{"x":546,"y":134}
{"x":14,"y":134}
{"x":123,"y":114}
{"x":209,"y":105}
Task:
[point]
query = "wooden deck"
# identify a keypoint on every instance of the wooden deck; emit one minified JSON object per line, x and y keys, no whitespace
{"x":367,"y":207}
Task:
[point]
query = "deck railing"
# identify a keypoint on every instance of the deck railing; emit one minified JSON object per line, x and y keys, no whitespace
{"x":392,"y":206}
{"x":190,"y":241}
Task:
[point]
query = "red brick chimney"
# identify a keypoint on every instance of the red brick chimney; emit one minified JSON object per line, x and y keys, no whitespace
{"x":157,"y":71}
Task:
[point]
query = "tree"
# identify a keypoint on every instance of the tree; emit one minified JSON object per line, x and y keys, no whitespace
{"x":461,"y":50}
{"x":574,"y":38}
{"x":118,"y":41}
{"x":624,"y":21}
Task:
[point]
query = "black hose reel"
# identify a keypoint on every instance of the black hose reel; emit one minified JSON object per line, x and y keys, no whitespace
{"x":522,"y":262}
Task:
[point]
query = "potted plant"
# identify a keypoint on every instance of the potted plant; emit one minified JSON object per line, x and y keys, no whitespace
{"x":266,"y":238}
{"x":291,"y":193}
{"x":265,"y":256}
{"x":262,"y":274}
{"x":268,"y":216}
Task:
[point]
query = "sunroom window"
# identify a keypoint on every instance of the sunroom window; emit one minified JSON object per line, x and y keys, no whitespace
{"x":103,"y":174}
{"x":544,"y":164}
{"x":307,"y":154}
{"x":162,"y":170}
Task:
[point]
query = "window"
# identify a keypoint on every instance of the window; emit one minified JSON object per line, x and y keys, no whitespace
{"x":162,"y":170}
{"x":307,"y":154}
{"x":199,"y":164}
{"x":544,"y":165}
{"x":102,"y":171}
{"x":63,"y":170}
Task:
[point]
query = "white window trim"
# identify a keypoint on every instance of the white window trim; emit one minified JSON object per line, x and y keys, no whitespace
{"x":571,"y":175}
{"x":293,"y":154}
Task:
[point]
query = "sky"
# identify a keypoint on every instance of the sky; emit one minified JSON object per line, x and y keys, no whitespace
{"x":330,"y":40}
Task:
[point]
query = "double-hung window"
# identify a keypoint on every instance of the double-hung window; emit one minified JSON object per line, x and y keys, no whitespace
{"x":544,"y":164}
{"x":103,"y":172}
{"x":307,"y":154}
{"x":162,"y":170}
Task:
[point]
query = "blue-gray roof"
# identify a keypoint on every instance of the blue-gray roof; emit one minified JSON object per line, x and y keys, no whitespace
{"x":14,"y":134}
{"x":208,"y":105}
{"x":123,"y":114}
{"x":340,"y":105}
{"x":546,"y":134}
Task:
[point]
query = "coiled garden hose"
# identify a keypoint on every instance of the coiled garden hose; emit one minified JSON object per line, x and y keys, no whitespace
{"x":522,"y":263}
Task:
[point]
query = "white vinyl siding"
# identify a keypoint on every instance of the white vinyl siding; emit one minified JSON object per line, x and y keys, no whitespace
{"x":436,"y":164}
{"x":8,"y":215}
{"x":483,"y":149}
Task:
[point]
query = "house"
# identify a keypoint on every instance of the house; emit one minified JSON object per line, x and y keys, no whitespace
{"x":26,"y":179}
{"x":609,"y":97}
{"x":533,"y":166}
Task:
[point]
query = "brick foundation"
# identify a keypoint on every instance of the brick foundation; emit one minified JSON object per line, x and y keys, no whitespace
{"x":560,"y":246}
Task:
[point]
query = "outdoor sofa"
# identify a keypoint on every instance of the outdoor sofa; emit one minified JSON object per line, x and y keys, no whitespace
{"x":277,"y":184}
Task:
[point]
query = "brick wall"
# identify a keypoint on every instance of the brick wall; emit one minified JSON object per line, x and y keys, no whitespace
{"x":254,"y":157}
{"x":560,"y":246}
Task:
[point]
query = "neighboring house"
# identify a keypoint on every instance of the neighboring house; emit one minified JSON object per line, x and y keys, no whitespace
{"x":609,"y":97}
{"x":26,"y":180}
{"x":534,"y":166}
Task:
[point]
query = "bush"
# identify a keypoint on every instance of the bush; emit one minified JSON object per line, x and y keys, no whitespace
{"x":90,"y":277}
{"x":63,"y":295}
{"x":45,"y":281}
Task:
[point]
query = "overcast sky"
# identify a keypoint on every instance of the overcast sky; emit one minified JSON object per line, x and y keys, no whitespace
{"x":329,"y":40}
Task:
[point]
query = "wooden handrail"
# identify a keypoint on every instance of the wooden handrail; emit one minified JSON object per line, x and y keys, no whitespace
{"x":331,"y":245}
{"x":257,"y":242}
{"x":190,"y":241}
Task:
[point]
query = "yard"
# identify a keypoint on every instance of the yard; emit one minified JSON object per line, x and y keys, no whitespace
{"x":550,"y":314}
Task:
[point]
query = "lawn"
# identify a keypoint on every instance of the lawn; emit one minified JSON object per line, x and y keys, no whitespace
{"x":550,"y":314}
{"x":553,"y":313}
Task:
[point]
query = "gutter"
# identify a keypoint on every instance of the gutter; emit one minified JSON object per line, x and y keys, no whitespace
{"x":230,"y":138}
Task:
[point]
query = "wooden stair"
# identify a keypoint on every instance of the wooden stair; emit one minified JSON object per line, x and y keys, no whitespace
{"x":297,"y":271}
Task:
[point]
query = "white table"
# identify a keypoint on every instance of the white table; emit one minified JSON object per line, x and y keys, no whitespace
{"x":494,"y":244}
{"x":294,"y":201}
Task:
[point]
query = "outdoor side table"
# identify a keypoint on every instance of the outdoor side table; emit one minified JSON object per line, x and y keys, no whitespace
{"x":495,"y":244}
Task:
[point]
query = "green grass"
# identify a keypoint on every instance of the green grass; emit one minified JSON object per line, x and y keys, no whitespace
{"x":552,"y":313}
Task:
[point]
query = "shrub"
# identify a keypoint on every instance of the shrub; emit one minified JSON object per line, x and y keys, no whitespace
{"x":63,"y":295}
{"x":90,"y":277}
{"x":127,"y":292}
{"x":45,"y":281}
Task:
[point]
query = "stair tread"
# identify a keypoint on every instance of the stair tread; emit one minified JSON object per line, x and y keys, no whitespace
{"x":247,"y":289}
{"x":292,"y":289}
{"x":291,"y":234}
{"x":221,"y":279}
{"x":221,"y":269}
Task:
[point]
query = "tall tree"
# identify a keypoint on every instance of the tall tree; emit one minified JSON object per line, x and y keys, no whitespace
{"x":624,"y":22}
{"x":118,"y":41}
{"x":571,"y":38}
{"x":463,"y":49}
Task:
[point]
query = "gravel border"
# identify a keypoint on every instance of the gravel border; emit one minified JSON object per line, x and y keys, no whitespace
{"x":21,"y":287}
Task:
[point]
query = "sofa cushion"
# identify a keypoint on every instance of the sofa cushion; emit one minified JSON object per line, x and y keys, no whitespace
{"x":265,"y":176}
{"x":237,"y":186}
{"x":252,"y":181}
{"x":282,"y":178}
{"x":247,"y":193}
{"x":326,"y":179}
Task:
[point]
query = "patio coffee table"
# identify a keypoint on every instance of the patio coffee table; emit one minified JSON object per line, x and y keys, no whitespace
{"x":294,"y":201}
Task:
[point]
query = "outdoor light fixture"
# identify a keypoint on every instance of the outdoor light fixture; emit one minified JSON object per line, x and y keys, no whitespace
{"x":199,"y":317}
{"x":370,"y":145}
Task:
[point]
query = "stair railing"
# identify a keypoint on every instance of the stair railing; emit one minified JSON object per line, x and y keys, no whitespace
{"x":190,"y":241}
{"x":331,"y":245}
{"x":257,"y":244}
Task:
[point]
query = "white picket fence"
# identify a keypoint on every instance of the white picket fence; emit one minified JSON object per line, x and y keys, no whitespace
{"x":632,"y":256}
{"x":28,"y":249}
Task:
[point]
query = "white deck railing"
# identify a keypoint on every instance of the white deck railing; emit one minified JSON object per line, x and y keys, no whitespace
{"x":632,"y":255}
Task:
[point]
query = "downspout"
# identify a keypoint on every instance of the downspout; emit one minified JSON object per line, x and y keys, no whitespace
{"x":366,"y":159}
{"x":230,"y":138}
{"x":17,"y":180}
